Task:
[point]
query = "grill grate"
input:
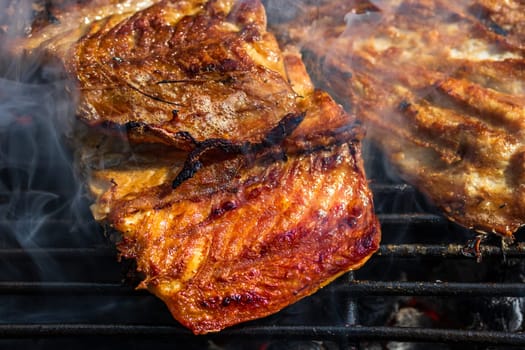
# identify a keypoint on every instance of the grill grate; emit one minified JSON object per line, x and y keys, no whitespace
{"x":60,"y":278}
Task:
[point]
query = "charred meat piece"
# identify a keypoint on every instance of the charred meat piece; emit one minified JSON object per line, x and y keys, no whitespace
{"x":321,"y":123}
{"x":244,"y":237}
{"x":176,"y":72}
{"x":441,"y":89}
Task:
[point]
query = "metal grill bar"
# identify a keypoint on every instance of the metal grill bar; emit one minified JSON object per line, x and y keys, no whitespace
{"x":434,"y":289}
{"x":57,"y":253}
{"x":351,"y":303}
{"x":447,"y":250}
{"x":354,"y":288}
{"x":391,"y":334}
{"x":381,"y":188}
{"x":321,"y":332}
{"x":411,"y":218}
{"x":59,"y":288}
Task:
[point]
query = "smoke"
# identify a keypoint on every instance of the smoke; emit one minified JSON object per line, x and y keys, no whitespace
{"x":16,"y":16}
{"x":39,"y":196}
{"x":35,"y":171}
{"x":279,"y":11}
{"x":15,"y":20}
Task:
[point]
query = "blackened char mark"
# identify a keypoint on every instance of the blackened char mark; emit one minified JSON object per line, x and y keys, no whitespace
{"x":285,"y":127}
{"x":192,"y":164}
{"x":51,"y":18}
{"x":244,"y":300}
{"x":139,"y":128}
{"x":483,"y":14}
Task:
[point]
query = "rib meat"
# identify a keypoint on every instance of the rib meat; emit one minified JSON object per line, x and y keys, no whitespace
{"x":441,"y":89}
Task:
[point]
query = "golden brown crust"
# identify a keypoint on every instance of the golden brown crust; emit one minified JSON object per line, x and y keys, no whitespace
{"x":244,"y":237}
{"x":262,"y":260}
{"x":176,"y":72}
{"x":248,"y":234}
{"x":57,"y":25}
{"x":207,"y":70}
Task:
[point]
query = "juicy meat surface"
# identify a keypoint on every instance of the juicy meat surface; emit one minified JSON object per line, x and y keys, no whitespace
{"x":244,"y":237}
{"x":176,"y":72}
{"x":441,"y":89}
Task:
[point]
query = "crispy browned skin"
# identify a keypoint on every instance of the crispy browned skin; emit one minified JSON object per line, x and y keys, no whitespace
{"x":177,"y":72}
{"x":245,"y":236}
{"x":442,"y":90}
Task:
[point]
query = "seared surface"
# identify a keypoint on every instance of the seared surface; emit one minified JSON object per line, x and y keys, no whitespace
{"x":247,"y":235}
{"x":244,"y":237}
{"x":56,"y":25}
{"x":177,"y":72}
{"x":440,"y":86}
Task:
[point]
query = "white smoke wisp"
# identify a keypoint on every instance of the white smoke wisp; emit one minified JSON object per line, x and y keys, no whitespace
{"x":38,"y":191}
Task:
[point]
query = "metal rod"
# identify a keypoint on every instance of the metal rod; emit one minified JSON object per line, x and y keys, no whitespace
{"x":49,"y":221}
{"x":448,"y":250}
{"x":351,"y":304}
{"x":411,"y":218}
{"x":391,"y":188}
{"x":14,"y":253}
{"x":61,"y":288}
{"x":391,"y":334}
{"x":460,"y":289}
{"x":321,"y":332}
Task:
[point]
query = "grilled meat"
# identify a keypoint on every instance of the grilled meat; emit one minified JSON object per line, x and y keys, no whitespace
{"x":177,"y":72}
{"x":248,"y":234}
{"x":243,"y":238}
{"x":56,"y":25}
{"x":440,"y":86}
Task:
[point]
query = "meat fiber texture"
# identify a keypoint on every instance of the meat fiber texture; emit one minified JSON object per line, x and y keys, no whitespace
{"x":237,"y":187}
{"x":441,"y":89}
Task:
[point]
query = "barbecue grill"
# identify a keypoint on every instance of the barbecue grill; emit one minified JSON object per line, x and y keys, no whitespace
{"x":60,"y":280}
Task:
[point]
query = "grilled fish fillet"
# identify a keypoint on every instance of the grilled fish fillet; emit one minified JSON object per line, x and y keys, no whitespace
{"x":441,"y":88}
